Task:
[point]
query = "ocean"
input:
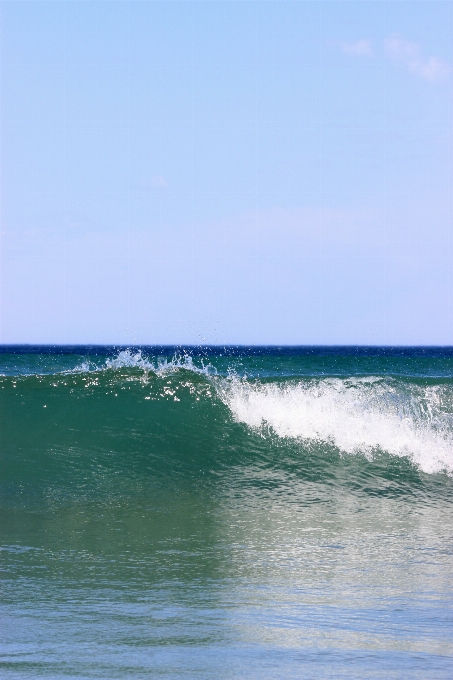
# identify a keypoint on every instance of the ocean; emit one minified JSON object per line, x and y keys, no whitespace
{"x":226,"y":512}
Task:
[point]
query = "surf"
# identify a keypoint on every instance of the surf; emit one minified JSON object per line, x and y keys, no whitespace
{"x":144,"y":414}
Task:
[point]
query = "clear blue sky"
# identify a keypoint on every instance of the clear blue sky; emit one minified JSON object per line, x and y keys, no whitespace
{"x":227,"y":172}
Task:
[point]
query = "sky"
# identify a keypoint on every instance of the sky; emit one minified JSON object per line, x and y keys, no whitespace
{"x":227,"y":172}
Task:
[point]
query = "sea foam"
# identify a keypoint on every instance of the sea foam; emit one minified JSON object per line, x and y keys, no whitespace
{"x":357,"y":415}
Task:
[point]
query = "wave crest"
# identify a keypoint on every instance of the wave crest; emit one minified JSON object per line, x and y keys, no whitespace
{"x":137,"y":360}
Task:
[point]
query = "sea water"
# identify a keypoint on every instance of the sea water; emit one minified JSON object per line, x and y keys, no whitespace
{"x":226,"y":512}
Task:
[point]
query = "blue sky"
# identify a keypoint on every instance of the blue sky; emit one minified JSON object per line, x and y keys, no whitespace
{"x":227,"y":172}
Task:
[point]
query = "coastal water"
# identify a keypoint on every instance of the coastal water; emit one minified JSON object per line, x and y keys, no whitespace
{"x":226,"y":512}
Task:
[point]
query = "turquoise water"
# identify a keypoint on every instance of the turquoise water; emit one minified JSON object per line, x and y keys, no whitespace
{"x":229,"y":512}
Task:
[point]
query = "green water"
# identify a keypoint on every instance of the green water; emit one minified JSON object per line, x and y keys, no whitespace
{"x":240,"y":513}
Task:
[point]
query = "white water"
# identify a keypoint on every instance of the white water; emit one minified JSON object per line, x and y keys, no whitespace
{"x":357,"y":415}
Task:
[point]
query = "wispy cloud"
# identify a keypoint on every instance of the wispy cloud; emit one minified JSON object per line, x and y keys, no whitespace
{"x":158,"y":182}
{"x":409,"y":55}
{"x":154,"y":182}
{"x":359,"y":48}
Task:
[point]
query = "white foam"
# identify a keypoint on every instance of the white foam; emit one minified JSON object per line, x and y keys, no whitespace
{"x":355,"y":415}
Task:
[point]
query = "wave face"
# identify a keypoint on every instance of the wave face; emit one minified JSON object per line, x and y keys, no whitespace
{"x":339,"y":415}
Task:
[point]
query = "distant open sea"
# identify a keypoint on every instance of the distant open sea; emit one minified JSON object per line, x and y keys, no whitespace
{"x":226,"y":512}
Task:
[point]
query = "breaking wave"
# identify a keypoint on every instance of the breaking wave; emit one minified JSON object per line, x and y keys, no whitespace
{"x":356,"y":415}
{"x":404,"y":417}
